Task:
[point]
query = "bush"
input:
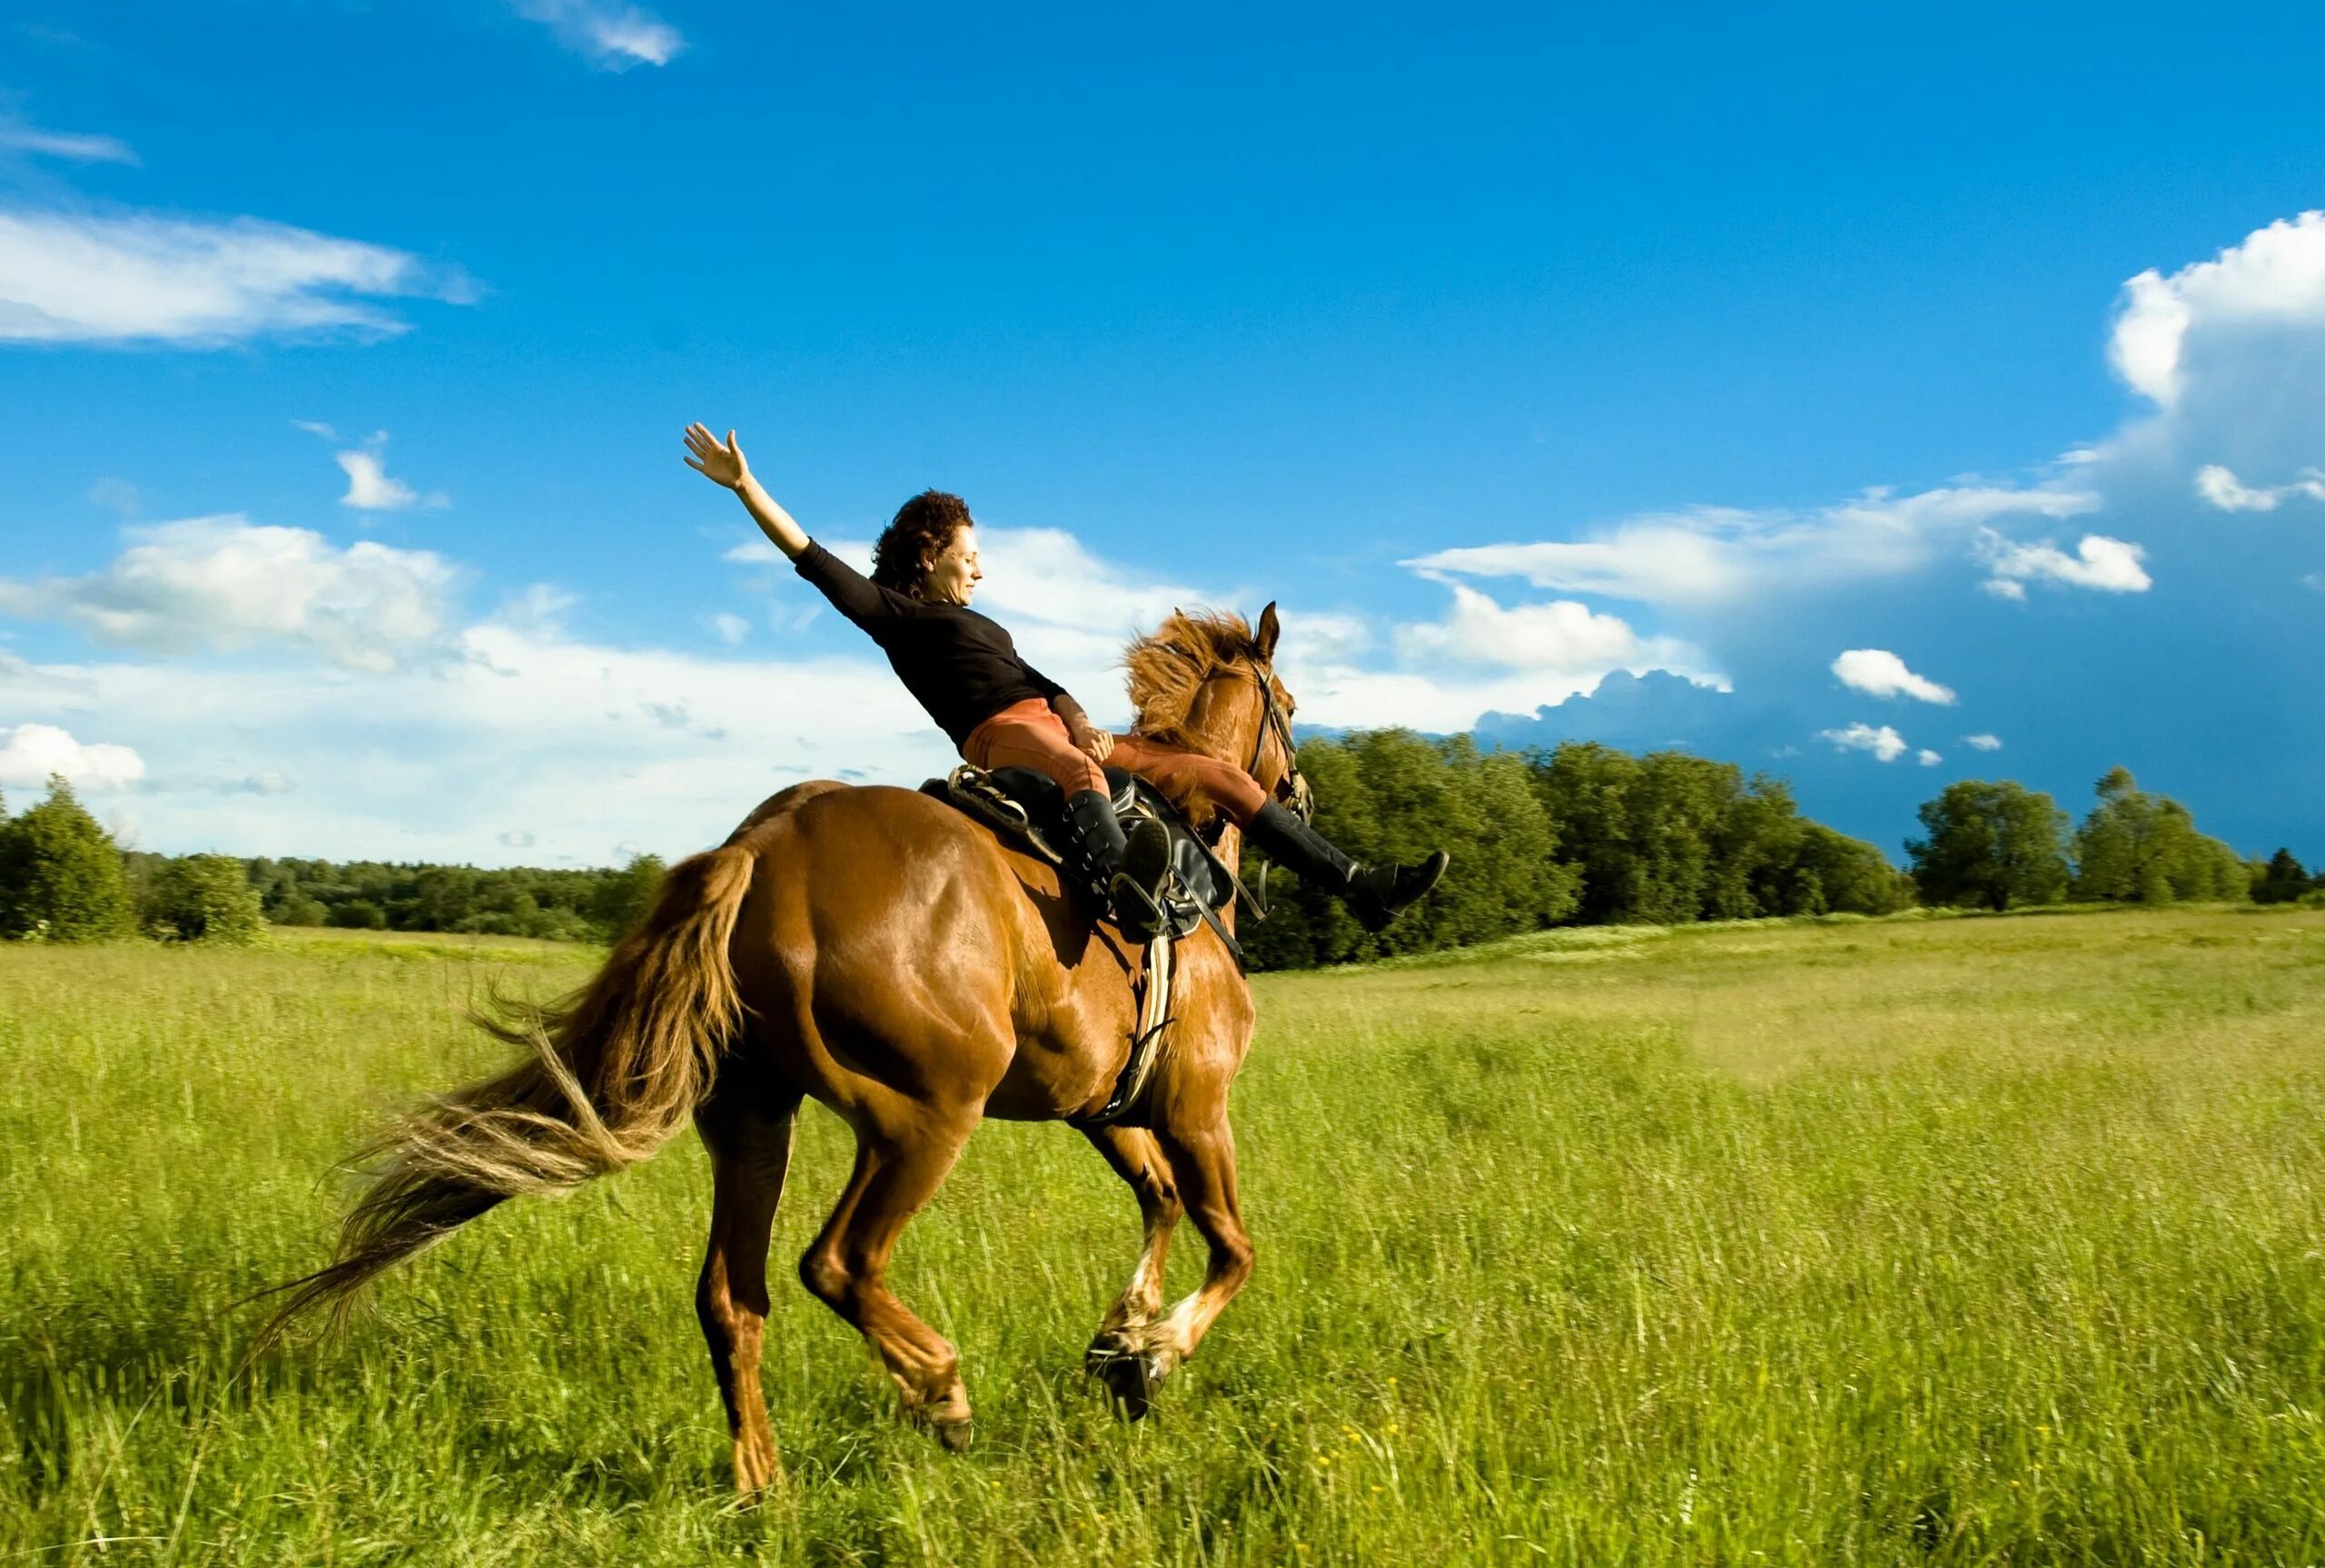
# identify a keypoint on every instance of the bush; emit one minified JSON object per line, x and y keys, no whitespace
{"x":298,"y":909}
{"x":360,"y":914}
{"x":202,"y":898}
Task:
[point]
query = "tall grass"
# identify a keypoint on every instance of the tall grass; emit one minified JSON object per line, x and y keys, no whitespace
{"x":1874,"y":1242}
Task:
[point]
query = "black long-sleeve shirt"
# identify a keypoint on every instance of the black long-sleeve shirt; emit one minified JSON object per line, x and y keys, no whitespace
{"x":957,"y":663}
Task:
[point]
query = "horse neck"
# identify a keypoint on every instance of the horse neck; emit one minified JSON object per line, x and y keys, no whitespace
{"x":1229,"y":730}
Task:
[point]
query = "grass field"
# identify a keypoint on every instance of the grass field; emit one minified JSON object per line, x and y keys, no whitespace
{"x":1911,"y":1242}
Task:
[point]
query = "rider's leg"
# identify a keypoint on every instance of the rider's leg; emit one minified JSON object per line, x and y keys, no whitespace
{"x":1374,"y":893}
{"x":1129,"y":872}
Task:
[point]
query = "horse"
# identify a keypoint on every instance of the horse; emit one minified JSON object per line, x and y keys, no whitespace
{"x":874,"y":948}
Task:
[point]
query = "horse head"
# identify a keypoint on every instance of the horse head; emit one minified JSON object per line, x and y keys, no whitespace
{"x":1206,"y":681}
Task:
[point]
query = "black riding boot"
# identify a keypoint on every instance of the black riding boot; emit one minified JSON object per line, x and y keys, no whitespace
{"x":1373,"y":893}
{"x":1129,"y":872}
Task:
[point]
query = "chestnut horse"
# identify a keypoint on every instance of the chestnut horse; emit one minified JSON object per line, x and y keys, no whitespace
{"x":876,"y":949}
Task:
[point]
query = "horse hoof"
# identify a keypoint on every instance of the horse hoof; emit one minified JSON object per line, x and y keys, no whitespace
{"x":1127,"y":1375}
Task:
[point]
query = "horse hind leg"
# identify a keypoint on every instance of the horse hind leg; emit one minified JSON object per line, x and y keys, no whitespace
{"x":1114,"y":1357}
{"x":898,"y":1169}
{"x":747,"y":1128}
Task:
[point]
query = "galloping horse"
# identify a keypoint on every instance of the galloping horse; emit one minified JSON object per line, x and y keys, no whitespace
{"x":876,"y":949}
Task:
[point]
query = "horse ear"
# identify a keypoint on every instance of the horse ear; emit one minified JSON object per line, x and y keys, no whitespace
{"x":1270,"y":628}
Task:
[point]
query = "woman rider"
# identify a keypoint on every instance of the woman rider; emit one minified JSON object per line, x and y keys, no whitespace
{"x":1001,"y":712}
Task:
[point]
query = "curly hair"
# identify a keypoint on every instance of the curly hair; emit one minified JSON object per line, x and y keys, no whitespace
{"x":910,"y":545}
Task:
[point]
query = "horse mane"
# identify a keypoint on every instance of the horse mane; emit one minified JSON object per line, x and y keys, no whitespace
{"x":1170,"y":665}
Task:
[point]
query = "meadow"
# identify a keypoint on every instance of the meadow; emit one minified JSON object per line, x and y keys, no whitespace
{"x":1907,"y":1240}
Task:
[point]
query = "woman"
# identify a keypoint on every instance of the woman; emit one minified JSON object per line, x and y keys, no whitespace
{"x":1001,"y":712}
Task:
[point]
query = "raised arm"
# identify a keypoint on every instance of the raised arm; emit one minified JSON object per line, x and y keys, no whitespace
{"x":724,"y":464}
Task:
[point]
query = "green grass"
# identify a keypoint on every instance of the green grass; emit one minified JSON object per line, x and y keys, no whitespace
{"x":1900,"y":1241}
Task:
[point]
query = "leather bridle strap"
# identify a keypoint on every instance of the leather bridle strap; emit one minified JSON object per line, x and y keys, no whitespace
{"x":1303,"y":803}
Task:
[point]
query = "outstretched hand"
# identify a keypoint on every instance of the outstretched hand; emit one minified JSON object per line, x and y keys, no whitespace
{"x":708,"y":457}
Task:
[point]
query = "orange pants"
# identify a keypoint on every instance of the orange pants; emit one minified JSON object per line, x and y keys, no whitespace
{"x":1029,"y":734}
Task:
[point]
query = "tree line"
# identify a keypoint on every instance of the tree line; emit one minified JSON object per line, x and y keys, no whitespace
{"x":63,"y":879}
{"x":1581,"y":833}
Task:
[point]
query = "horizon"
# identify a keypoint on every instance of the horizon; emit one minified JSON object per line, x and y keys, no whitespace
{"x":1868,"y":409}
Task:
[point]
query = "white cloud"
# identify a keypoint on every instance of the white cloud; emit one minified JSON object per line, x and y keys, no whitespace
{"x":614,"y":37}
{"x":2110,"y":566}
{"x":2218,"y":486}
{"x":1881,"y":674}
{"x":517,"y":729}
{"x":225,"y":583}
{"x":76,"y":279}
{"x":22,"y":136}
{"x":1885,"y":742}
{"x":33,"y":751}
{"x":1710,"y":555}
{"x":729,"y":628}
{"x":2275,"y":276}
{"x":1562,"y":635}
{"x":1982,"y":742}
{"x":370,"y":489}
{"x":1927,"y":758}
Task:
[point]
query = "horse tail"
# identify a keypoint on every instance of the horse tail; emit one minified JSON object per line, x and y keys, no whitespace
{"x":611,"y":1074}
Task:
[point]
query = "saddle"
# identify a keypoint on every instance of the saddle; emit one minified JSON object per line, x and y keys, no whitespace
{"x":1027,"y":809}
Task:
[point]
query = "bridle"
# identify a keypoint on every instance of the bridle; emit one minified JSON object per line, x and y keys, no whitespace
{"x":1274,"y":721}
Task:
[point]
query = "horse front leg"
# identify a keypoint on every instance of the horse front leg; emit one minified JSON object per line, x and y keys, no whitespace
{"x":1112,"y":1358}
{"x":1203,"y":1160}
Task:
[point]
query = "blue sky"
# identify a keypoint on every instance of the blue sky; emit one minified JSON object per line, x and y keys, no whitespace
{"x":1833,"y":365}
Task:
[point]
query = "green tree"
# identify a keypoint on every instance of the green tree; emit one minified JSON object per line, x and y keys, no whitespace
{"x":359,"y":914}
{"x":622,"y":898}
{"x":1392,"y":795}
{"x":202,"y":898}
{"x":2281,"y":880}
{"x":2140,"y":848}
{"x":61,"y":876}
{"x":1992,"y":844}
{"x":1832,"y":873}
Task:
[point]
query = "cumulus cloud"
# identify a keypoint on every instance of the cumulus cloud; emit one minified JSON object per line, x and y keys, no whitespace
{"x":2218,"y":486}
{"x":1982,"y":742}
{"x":1885,"y":742}
{"x":1709,"y":555}
{"x":226,"y":583}
{"x":1562,"y":635}
{"x":17,"y":135}
{"x":2275,"y":277}
{"x":30,"y":753}
{"x":1927,"y":758}
{"x":613,"y":37}
{"x":67,"y":278}
{"x":1879,"y":672}
{"x":2109,"y":566}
